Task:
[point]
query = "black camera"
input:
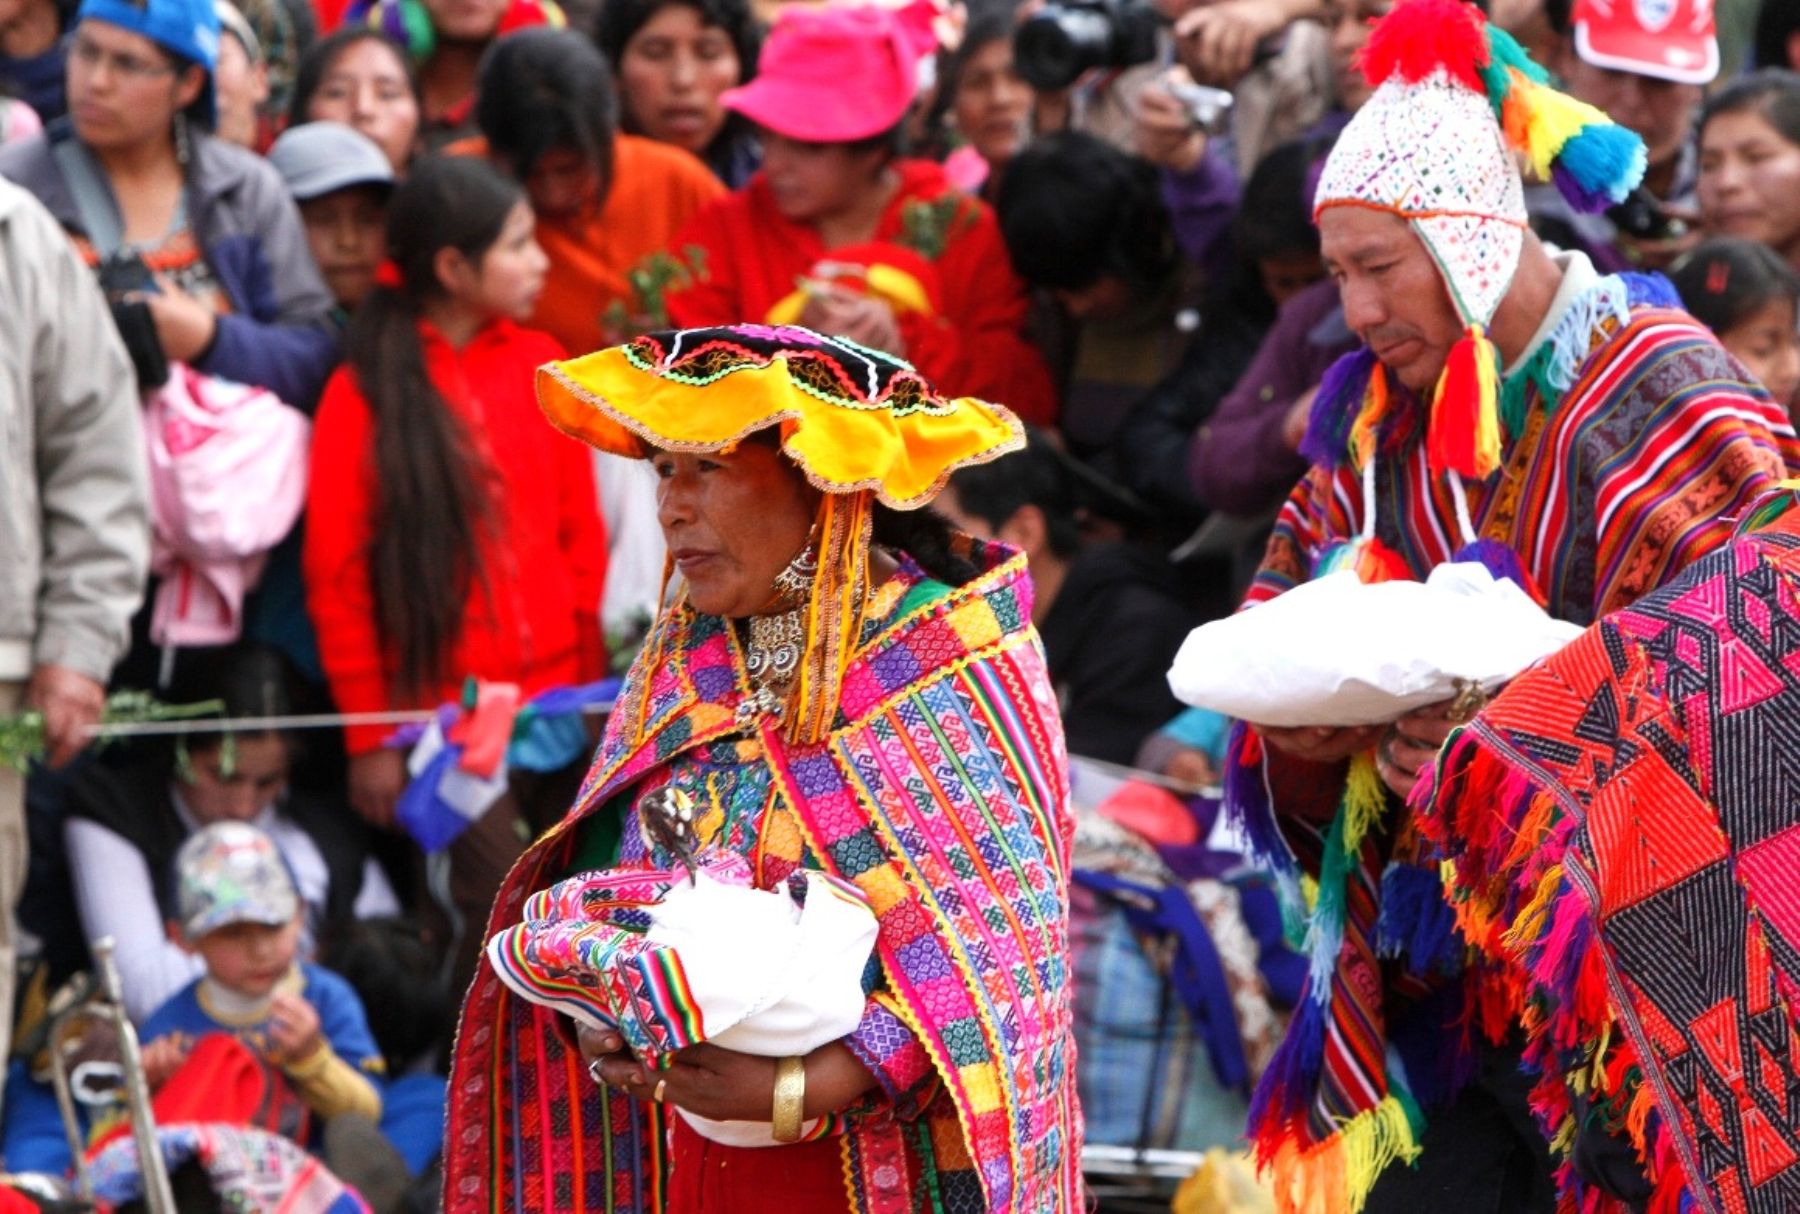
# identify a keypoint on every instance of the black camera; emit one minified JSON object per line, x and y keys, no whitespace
{"x":1065,"y":38}
{"x":1643,"y":217}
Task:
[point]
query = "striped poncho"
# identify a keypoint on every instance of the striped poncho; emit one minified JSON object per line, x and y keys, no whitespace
{"x":942,"y":795}
{"x":1632,"y":441}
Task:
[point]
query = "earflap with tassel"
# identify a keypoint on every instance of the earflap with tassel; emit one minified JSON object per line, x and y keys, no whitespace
{"x":1464,"y":432}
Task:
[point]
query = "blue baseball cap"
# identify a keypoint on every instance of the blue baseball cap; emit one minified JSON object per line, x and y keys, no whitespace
{"x":189,"y":28}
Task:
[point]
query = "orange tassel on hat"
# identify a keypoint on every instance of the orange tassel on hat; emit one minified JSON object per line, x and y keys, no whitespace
{"x":1464,"y":434}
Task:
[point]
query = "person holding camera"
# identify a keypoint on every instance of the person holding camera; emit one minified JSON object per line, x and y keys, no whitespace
{"x":196,"y":242}
{"x":1266,"y":62}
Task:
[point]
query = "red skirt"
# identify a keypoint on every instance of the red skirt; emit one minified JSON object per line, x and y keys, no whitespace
{"x":806,"y":1178}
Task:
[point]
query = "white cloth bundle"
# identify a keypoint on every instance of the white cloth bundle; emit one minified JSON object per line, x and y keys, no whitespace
{"x":774,"y":972}
{"x":1337,"y":651}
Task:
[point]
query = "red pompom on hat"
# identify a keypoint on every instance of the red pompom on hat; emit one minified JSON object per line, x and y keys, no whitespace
{"x":1426,"y":36}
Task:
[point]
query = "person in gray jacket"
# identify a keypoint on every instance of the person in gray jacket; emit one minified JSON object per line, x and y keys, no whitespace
{"x":74,"y":512}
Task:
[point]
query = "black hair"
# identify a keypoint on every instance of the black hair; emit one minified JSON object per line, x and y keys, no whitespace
{"x":1274,"y":217}
{"x":619,"y":20}
{"x":543,"y":90}
{"x":394,"y":968}
{"x":320,"y":56}
{"x":248,"y":679}
{"x":1727,"y":280}
{"x":891,"y":143}
{"x":1036,"y":476}
{"x":1772,"y":93}
{"x":928,"y":538}
{"x":1073,"y":208}
{"x":1776,"y":25}
{"x":196,"y":111}
{"x":431,"y":507}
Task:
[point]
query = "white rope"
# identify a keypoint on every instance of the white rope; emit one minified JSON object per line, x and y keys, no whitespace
{"x":1368,"y":495}
{"x":318,"y":720}
{"x":1461,"y":497}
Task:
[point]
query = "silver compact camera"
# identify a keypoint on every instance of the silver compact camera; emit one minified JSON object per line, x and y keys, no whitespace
{"x":1210,"y":107}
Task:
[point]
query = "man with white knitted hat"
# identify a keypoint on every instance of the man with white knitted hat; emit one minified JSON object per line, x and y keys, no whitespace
{"x":1574,"y":431}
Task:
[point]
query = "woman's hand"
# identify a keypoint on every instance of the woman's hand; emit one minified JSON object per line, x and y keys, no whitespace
{"x":377,"y":779}
{"x":724,"y":1085}
{"x":184,"y":325}
{"x":71,"y":703}
{"x":863,"y":319}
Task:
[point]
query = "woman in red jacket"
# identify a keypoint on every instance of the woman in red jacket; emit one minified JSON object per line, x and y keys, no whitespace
{"x":840,"y":234}
{"x":450,"y":532}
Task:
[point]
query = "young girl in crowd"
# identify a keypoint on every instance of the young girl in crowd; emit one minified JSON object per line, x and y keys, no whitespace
{"x":1750,"y":162}
{"x":1747,"y":295}
{"x":608,"y":205}
{"x":361,"y":78}
{"x":450,"y":532}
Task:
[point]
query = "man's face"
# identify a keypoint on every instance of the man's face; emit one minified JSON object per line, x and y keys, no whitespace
{"x":1660,"y":111}
{"x":1393,"y":297}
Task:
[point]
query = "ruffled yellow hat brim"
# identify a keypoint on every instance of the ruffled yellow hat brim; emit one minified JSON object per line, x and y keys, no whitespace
{"x":902,"y":442}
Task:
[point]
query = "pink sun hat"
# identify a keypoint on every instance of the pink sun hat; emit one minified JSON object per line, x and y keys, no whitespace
{"x":836,"y":74}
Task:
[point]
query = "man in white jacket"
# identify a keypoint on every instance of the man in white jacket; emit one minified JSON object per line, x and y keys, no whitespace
{"x":74,"y":521}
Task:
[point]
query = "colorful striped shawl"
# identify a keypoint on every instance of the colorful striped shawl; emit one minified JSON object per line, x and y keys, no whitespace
{"x":942,"y":795}
{"x":1655,"y":443}
{"x":1623,"y":826}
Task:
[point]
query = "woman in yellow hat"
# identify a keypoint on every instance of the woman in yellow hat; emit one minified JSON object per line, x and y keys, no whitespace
{"x":842,"y":683}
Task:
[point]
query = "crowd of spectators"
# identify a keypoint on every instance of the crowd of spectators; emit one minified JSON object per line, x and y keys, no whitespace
{"x":275,"y":280}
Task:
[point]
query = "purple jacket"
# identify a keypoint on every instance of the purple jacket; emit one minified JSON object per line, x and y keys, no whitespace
{"x":1202,"y":203}
{"x":1238,"y":462}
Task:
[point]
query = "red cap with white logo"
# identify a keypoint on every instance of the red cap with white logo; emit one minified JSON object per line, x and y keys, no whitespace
{"x":1667,"y":39}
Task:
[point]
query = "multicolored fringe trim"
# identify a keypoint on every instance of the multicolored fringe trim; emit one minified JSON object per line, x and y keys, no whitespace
{"x":1463,"y":435}
{"x":1543,"y":967}
{"x":1594,"y":161}
{"x":1320,"y":1162}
